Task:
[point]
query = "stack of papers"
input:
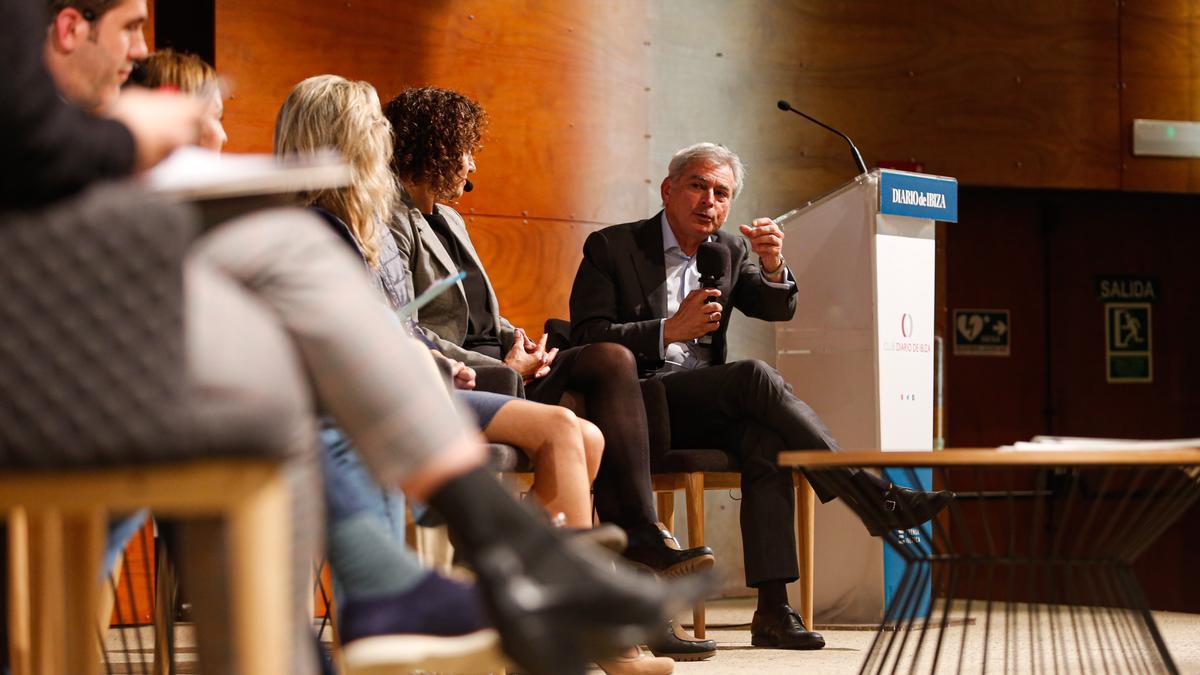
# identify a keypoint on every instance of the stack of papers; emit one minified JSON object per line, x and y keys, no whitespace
{"x":1100,"y":444}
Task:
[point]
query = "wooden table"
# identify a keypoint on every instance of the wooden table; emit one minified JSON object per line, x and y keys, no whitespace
{"x":1042,"y":541}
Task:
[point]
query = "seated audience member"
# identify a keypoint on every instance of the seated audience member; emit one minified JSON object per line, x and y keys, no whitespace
{"x":328,"y":111}
{"x":189,"y":74}
{"x":436,"y":135}
{"x":267,"y":298}
{"x":744,"y":407}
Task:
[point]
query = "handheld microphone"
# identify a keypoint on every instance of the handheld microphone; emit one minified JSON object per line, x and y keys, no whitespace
{"x":468,"y":186}
{"x":712,"y":262}
{"x":858,"y":160}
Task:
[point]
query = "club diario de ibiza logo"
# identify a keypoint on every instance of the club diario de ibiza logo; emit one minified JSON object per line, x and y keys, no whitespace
{"x":905,"y":344}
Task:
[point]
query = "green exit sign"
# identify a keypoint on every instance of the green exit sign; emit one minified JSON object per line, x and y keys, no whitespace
{"x":1128,"y":349}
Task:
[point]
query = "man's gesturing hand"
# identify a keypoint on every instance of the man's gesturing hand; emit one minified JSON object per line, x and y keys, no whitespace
{"x":159,"y":121}
{"x":696,"y":317}
{"x":766,"y":239}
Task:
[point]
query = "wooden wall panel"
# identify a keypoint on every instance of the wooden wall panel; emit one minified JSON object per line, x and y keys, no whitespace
{"x":532,"y":264}
{"x":148,"y":30}
{"x":999,"y":93}
{"x":134,"y":600}
{"x":1004,"y":93}
{"x":1009,"y":93}
{"x":1160,"y":69}
{"x":564,"y":85}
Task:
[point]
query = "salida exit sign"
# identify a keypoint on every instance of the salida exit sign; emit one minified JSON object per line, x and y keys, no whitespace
{"x":1128,"y":327}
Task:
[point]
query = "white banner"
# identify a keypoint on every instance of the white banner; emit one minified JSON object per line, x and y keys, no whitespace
{"x":904,"y":290}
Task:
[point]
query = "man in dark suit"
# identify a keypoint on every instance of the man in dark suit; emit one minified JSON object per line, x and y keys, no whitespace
{"x":638,"y":286}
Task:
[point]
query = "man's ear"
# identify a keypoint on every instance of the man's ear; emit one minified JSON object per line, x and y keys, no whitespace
{"x":68,"y":30}
{"x":665,"y":189}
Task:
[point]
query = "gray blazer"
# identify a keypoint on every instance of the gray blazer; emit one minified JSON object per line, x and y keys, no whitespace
{"x":444,"y":319}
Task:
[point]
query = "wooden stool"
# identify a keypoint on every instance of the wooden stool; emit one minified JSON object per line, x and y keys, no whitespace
{"x":57,"y":524}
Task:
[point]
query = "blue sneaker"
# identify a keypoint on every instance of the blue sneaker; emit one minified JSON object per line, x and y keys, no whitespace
{"x":439,"y":625}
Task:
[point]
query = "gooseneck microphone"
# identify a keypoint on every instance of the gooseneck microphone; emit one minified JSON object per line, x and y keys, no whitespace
{"x":862,"y":166}
{"x":468,"y":186}
{"x":712,"y":262}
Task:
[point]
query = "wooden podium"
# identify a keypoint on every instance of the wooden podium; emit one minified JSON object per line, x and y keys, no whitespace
{"x":860,"y":351}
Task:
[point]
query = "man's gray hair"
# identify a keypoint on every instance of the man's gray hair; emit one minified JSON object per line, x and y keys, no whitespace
{"x":708,"y":152}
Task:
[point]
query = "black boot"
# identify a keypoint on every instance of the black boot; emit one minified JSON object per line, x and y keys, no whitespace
{"x":883,"y":506}
{"x":557,"y":602}
{"x":654,"y":547}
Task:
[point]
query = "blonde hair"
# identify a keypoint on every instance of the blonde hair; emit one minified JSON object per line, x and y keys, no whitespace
{"x":328,"y":111}
{"x":188,"y":72}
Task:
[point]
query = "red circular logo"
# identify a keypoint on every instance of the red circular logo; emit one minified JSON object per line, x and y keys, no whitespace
{"x":906,"y":325}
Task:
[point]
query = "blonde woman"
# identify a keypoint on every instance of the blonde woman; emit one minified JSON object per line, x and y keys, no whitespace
{"x":189,"y":74}
{"x":327,"y":111}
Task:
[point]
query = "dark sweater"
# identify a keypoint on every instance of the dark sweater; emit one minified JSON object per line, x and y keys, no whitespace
{"x":49,"y":149}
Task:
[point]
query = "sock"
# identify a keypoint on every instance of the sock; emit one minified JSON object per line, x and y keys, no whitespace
{"x":368,"y":561}
{"x":644,"y":534}
{"x":869,"y":478}
{"x":772,"y":597}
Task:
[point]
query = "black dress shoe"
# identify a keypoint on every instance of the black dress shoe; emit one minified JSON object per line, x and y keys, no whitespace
{"x":680,"y":646}
{"x":658,"y":551}
{"x":900,"y":508}
{"x":783,"y":630}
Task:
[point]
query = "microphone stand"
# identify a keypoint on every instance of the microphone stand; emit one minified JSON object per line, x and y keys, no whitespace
{"x":858,"y":160}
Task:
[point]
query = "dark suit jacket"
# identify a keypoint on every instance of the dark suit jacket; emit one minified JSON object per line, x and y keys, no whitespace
{"x":620,"y":292}
{"x":48,"y":148}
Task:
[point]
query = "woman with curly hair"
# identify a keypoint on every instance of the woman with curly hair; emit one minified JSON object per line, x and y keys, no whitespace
{"x":437,"y":133}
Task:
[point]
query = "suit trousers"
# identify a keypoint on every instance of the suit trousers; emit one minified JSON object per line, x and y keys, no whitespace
{"x":745,"y":408}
